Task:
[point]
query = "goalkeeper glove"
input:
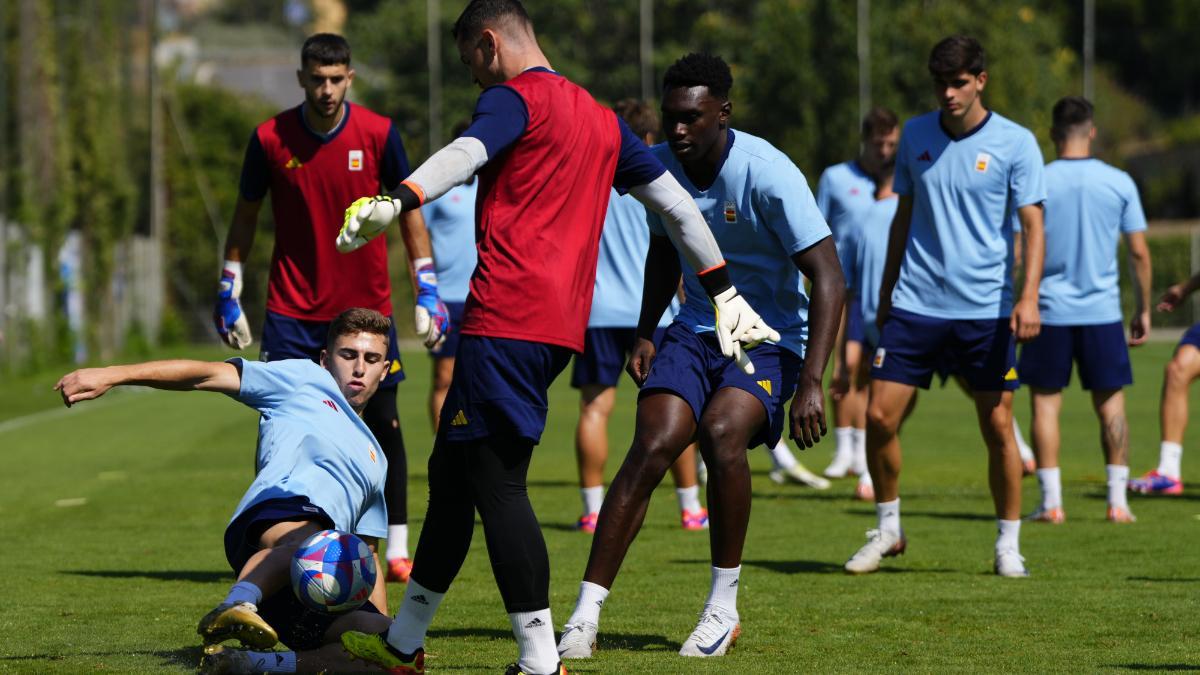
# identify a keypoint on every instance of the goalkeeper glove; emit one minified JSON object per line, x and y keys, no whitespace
{"x":228,"y":316}
{"x":366,"y":219}
{"x":739,"y":327}
{"x":432,"y":317}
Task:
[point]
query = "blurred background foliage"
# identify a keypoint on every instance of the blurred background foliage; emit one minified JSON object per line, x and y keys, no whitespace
{"x":81,"y":117}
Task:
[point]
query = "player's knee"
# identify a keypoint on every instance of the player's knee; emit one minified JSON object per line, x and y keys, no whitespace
{"x":880,"y":420}
{"x":1179,"y":371}
{"x":722,"y":441}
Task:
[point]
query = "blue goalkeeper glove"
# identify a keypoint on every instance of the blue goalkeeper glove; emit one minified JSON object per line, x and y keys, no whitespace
{"x":432,"y":317}
{"x":228,"y":316}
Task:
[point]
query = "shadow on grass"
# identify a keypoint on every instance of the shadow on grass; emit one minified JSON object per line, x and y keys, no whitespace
{"x":552,"y":483}
{"x":188,"y":657}
{"x":199,"y":576}
{"x":637,"y":642}
{"x":814,"y":567}
{"x":1167,"y":580}
{"x":482,"y":633}
{"x":949,"y":515}
{"x":807,"y":494}
{"x":561,"y":527}
{"x":1154,"y":666}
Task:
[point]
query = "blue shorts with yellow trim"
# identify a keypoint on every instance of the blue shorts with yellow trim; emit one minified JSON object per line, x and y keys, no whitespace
{"x":500,"y":388}
{"x":691,"y":366}
{"x":286,"y":338}
{"x":1099,"y":350}
{"x":605,"y":351}
{"x":912,"y":347}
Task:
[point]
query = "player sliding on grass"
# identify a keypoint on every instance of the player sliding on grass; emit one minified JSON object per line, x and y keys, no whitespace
{"x":546,"y":154}
{"x":318,"y":467}
{"x":313,"y":159}
{"x":946,"y":294}
{"x":765,"y":218}
{"x":1089,"y":205}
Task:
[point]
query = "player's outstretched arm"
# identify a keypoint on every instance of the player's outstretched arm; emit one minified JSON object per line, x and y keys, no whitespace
{"x":1026,"y":322}
{"x":736,"y":323}
{"x":1175,"y":294}
{"x":1139,"y":261}
{"x":897,"y":242}
{"x":818,"y":262}
{"x":89,"y":383}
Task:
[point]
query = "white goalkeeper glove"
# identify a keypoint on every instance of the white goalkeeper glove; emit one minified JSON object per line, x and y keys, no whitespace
{"x":228,"y":316}
{"x":739,"y":327}
{"x":366,"y":219}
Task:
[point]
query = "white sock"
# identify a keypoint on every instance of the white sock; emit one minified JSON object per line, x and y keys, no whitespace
{"x":243,"y":591}
{"x":272,"y":662}
{"x":593,"y":497}
{"x":1118,"y":481}
{"x":1022,"y":446}
{"x":397,"y":545}
{"x":689,"y":498}
{"x":590,"y":602}
{"x":860,"y":452}
{"x":724,"y":589}
{"x":1169,"y":457}
{"x":1050,"y":481}
{"x":535,"y":637}
{"x":781,"y":455}
{"x":1009,"y":537}
{"x":889,"y":515}
{"x":407,"y":632}
{"x":843,"y":438}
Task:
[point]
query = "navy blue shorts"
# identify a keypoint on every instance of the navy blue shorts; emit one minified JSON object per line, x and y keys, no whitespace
{"x":691,"y":366}
{"x":286,"y":338}
{"x":500,"y":387}
{"x":605,"y":352}
{"x":913,"y":347}
{"x":1191,"y":337}
{"x":299,"y":627}
{"x":449,"y":346}
{"x":856,"y":330}
{"x":1099,"y":350}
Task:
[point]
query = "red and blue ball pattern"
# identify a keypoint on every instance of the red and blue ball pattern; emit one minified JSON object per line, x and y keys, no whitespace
{"x":333,"y":572}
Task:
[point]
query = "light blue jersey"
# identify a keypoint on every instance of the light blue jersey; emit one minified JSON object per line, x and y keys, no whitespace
{"x":761,"y":212}
{"x":958,"y":260}
{"x":620,"y":269}
{"x":451,"y":222}
{"x":868,"y":255}
{"x":312,"y":444}
{"x":844,"y":194}
{"x":1089,"y":204}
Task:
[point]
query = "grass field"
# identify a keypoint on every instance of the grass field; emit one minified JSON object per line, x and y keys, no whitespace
{"x":120,"y":505}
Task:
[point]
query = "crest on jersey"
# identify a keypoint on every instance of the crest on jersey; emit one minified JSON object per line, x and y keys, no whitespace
{"x":981,"y":162}
{"x":730,"y":212}
{"x":356,"y":160}
{"x":293,"y":163}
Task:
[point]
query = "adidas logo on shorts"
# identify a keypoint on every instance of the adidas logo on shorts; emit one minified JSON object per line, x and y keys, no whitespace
{"x":460,"y":420}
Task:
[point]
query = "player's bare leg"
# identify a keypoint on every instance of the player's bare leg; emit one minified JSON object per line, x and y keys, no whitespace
{"x":265,"y":573}
{"x":887,"y":407}
{"x":994,"y":410}
{"x":443,"y":372}
{"x":733,"y":416}
{"x":1114,"y":440}
{"x":1045,"y":405}
{"x":692,"y":515}
{"x":849,"y":414}
{"x":1180,"y":372}
{"x":591,"y":448}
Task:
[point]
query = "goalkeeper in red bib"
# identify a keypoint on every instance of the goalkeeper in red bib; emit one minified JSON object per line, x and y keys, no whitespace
{"x":314,"y":159}
{"x":546,"y":155}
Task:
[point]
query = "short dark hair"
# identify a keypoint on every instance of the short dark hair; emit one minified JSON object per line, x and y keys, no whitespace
{"x":480,"y":14}
{"x":700,"y":70}
{"x":956,"y":54}
{"x":879,"y":120}
{"x":639,"y":115}
{"x":1071,"y":115}
{"x":358,"y":320}
{"x":326,"y":49}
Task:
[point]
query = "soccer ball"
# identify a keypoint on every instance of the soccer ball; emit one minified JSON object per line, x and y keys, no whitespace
{"x":333,"y":572}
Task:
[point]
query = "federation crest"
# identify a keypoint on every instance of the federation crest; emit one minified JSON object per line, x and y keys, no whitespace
{"x":356,"y":160}
{"x":730,"y":212}
{"x":981,"y":162}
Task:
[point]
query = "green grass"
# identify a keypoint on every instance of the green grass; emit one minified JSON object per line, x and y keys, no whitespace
{"x":117,"y":582}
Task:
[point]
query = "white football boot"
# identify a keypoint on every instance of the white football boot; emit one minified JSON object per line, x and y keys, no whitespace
{"x":715,"y":633}
{"x":880,"y":544}
{"x":578,"y":640}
